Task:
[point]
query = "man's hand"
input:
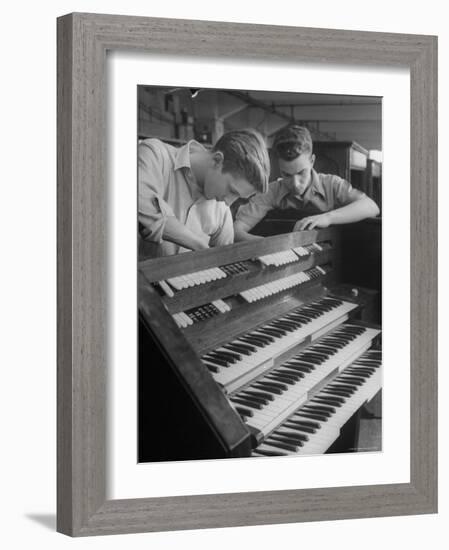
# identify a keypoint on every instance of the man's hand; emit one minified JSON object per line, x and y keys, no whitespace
{"x":241,"y":232}
{"x":199,"y":243}
{"x":176,"y":232}
{"x":312,"y":222}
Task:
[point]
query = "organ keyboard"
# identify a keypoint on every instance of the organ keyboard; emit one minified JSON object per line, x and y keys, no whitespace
{"x":250,"y":350}
{"x":316,"y":425}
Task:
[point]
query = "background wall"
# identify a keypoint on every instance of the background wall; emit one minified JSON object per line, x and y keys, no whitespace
{"x":28,"y":240}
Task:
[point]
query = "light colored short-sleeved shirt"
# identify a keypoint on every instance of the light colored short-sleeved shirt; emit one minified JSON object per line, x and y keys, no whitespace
{"x":325,"y":192}
{"x":167,"y":187}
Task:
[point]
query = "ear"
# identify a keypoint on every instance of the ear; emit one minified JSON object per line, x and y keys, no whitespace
{"x":218,"y":158}
{"x":312,"y":159}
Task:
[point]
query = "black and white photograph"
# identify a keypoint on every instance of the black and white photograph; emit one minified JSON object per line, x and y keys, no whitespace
{"x":259,"y":276}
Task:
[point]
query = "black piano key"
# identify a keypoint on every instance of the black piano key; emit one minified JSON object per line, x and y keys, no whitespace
{"x":228,"y":354}
{"x":316,"y":410}
{"x":334,"y":401}
{"x":314,"y":415}
{"x":269,"y":387}
{"x":353,"y":380}
{"x":320,"y":406}
{"x":354,"y":329}
{"x":253,"y":341}
{"x":368,"y":363}
{"x":282,"y":445}
{"x":211,"y":367}
{"x":312,"y":314}
{"x":288,"y":440}
{"x":275,"y":383}
{"x":281,"y":377}
{"x":342,"y":386}
{"x":246,"y":402}
{"x":221,"y":357}
{"x":316,"y":359}
{"x":217,"y":361}
{"x":325,"y":349}
{"x":272,"y":332}
{"x":321,"y":308}
{"x":295,"y":374}
{"x":283,"y":326}
{"x":362,"y":371}
{"x":300,"y":422}
{"x":301,"y":366}
{"x":300,"y":426}
{"x":338,"y":344}
{"x":296,"y":435}
{"x":334,"y":391}
{"x":266,"y":452}
{"x":241,"y":348}
{"x":254,"y":396}
{"x":299,"y":317}
{"x":268,"y":338}
{"x":244,"y":411}
{"x":292,"y":369}
{"x":313,"y":359}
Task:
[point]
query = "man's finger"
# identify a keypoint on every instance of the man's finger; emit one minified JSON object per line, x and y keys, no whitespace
{"x":303,"y":223}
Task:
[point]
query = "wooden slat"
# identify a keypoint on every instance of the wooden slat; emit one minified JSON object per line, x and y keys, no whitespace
{"x":189,"y":262}
{"x":192,"y":374}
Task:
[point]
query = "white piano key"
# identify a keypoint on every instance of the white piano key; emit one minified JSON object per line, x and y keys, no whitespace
{"x":274,"y":287}
{"x":186,"y":318}
{"x":219,"y":304}
{"x":201,"y":277}
{"x":175,"y":282}
{"x":168,"y":291}
{"x":178,"y":320}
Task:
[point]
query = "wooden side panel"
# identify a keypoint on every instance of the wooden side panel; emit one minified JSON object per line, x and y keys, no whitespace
{"x":201,"y":424}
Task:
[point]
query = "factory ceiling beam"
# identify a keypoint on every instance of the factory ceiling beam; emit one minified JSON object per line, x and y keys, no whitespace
{"x":232,"y":112}
{"x":275,"y":111}
{"x":259,"y":104}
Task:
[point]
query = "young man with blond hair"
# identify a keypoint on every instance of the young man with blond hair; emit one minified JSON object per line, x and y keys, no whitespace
{"x":185,"y":193}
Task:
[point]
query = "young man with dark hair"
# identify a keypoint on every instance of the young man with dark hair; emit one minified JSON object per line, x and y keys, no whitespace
{"x":326,"y":199}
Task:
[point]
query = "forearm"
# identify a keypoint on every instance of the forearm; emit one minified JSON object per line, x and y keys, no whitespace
{"x":176,"y":232}
{"x":354,"y":212}
{"x":241,"y":233}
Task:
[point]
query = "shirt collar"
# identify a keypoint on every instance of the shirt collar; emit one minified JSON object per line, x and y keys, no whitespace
{"x":315,"y":188}
{"x":182,"y":160}
{"x":182,"y":156}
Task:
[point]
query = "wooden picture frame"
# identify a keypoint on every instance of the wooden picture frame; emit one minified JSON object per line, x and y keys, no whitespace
{"x":83,"y":40}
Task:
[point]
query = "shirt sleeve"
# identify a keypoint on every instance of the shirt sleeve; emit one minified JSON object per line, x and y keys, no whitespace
{"x":257,"y":207}
{"x":153,"y":210}
{"x":225,"y":233}
{"x":343,"y":192}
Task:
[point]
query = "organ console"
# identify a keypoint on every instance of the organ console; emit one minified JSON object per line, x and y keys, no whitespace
{"x":252,"y":349}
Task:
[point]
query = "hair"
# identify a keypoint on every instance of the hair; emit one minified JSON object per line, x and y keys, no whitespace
{"x":245,"y":154}
{"x":291,"y":141}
